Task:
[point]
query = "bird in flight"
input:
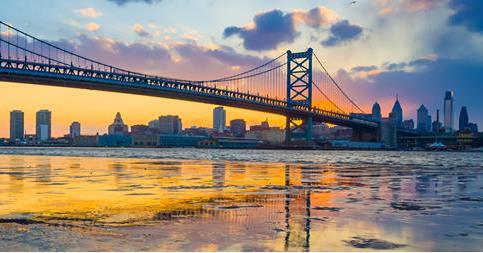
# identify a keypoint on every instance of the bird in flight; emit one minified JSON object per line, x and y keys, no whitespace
{"x":353,"y":2}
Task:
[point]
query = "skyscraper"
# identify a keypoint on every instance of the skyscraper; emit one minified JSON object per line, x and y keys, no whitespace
{"x":43,"y":125}
{"x":219,"y":119}
{"x":118,"y":126}
{"x":437,"y":123}
{"x":75,"y":129}
{"x":464,"y":119}
{"x":398,"y":112}
{"x":170,"y":124}
{"x":376,"y":111}
{"x":422,"y":120}
{"x":16,"y":125}
{"x":448,"y":111}
{"x":238,"y":127}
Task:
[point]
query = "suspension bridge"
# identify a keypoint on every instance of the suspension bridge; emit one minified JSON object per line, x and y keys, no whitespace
{"x":294,"y":84}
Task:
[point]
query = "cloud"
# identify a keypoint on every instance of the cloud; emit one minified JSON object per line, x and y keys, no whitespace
{"x":342,"y":32}
{"x":88,"y":12}
{"x":123,"y":2}
{"x":270,"y":29}
{"x":390,"y":6}
{"x":139,"y":30}
{"x":92,"y":27}
{"x":315,"y":17}
{"x":468,"y":13}
{"x":184,"y":60}
{"x":419,"y":5}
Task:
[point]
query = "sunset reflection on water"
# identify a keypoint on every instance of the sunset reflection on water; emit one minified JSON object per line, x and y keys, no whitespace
{"x":166,"y":204}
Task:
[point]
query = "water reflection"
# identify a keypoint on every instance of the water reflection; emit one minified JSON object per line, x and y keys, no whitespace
{"x":236,"y":205}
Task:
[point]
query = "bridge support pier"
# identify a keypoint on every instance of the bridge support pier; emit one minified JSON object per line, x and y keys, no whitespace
{"x":299,"y":130}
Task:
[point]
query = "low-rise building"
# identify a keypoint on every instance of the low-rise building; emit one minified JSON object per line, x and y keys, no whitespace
{"x":272,"y":136}
{"x":115,"y":140}
{"x":145,"y":140}
{"x":86,"y":141}
{"x":184,"y":141}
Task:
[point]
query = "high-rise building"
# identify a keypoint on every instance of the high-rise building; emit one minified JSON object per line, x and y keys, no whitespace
{"x":43,"y":125}
{"x":448,"y":111}
{"x":75,"y":129}
{"x":16,"y":125}
{"x":170,"y":124}
{"x":437,"y":123}
{"x":408,"y":124}
{"x":464,"y":119}
{"x":376,"y":112}
{"x":118,"y":126}
{"x":219,"y":119}
{"x":238,"y":127}
{"x":398,"y":112}
{"x":422,"y":120}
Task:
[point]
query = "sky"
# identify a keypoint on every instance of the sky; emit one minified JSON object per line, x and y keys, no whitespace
{"x":376,"y":49}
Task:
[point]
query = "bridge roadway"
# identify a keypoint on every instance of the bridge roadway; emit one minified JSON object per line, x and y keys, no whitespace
{"x":136,"y":83}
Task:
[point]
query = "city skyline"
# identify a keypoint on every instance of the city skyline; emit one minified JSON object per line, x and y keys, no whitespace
{"x":172,"y":124}
{"x":90,"y":25}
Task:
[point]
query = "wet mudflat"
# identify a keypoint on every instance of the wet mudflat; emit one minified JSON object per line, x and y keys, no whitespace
{"x":229,"y":200}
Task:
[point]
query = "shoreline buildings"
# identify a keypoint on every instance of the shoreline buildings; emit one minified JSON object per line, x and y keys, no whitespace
{"x":43,"y":125}
{"x":16,"y":125}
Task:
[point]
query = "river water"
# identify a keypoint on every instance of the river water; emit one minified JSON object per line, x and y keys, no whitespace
{"x":89,"y":199}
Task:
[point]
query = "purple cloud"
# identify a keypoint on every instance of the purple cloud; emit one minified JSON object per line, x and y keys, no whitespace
{"x":270,"y":29}
{"x":273,"y":28}
{"x":342,"y":32}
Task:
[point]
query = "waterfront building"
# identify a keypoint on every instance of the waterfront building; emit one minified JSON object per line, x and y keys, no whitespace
{"x":183,"y":141}
{"x":170,"y":124}
{"x":75,"y":129}
{"x":376,"y":112}
{"x":219,"y":119}
{"x":43,"y":125}
{"x":16,"y":125}
{"x":86,"y":141}
{"x":115,"y":140}
{"x":273,"y":136}
{"x":422,"y":119}
{"x":408,"y":124}
{"x":118,"y":126}
{"x":463,"y":120}
{"x":145,"y":140}
{"x":229,"y":143}
{"x":238,"y":127}
{"x":397,"y":112}
{"x":448,"y":111}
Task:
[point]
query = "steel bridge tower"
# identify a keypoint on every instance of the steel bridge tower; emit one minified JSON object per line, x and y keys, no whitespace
{"x":299,"y":92}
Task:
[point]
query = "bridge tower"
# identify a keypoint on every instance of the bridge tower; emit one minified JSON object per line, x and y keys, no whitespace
{"x":299,"y":92}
